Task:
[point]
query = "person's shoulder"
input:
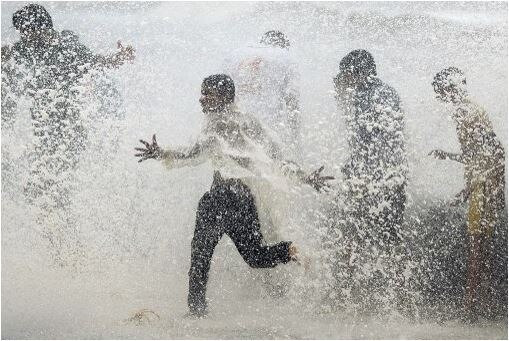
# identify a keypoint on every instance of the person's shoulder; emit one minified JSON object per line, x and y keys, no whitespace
{"x":70,"y":43}
{"x":68,"y":35}
{"x":18,"y":46}
{"x":388,"y":90}
{"x":19,"y":51}
{"x":386,"y":93}
{"x":474,"y":111}
{"x":69,"y":39}
{"x":250,"y":121}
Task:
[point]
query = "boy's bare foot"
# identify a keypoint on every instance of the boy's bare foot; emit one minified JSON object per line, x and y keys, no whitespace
{"x":297,"y":257}
{"x":293,"y":252}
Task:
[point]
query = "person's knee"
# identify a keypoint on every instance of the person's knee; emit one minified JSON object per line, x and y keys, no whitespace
{"x":255,"y":263}
{"x":258,"y":260}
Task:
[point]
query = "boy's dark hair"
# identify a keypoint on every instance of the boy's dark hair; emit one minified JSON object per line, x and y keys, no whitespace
{"x":359,"y":62}
{"x":223,"y":84}
{"x":32,"y":18}
{"x":449,"y":76}
{"x":275,"y":38}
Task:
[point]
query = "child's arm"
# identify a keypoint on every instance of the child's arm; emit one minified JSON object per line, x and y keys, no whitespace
{"x":441,"y":155}
{"x":173,"y":158}
{"x":289,"y":168}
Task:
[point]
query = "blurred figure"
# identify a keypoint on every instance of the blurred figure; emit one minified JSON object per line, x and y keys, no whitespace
{"x":47,"y":68}
{"x":267,"y":83}
{"x":242,"y":154}
{"x":484,"y":158}
{"x":367,"y":221}
{"x":267,"y":87}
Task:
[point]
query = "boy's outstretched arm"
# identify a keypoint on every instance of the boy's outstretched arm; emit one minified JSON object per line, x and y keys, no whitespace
{"x":151,"y":151}
{"x":125,"y":53}
{"x":172,"y":158}
{"x":314,"y":179}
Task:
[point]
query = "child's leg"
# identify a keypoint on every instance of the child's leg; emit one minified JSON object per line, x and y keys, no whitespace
{"x":245,"y":232}
{"x":473,"y":268}
{"x":474,"y":226}
{"x":206,"y":236}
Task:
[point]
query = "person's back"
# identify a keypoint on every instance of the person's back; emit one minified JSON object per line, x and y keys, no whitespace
{"x":375,"y":126}
{"x":45,"y":69}
{"x":366,"y":218}
{"x":61,"y":60}
{"x":377,"y":165}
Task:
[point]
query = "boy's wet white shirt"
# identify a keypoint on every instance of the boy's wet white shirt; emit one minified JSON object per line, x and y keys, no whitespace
{"x":139,"y":248}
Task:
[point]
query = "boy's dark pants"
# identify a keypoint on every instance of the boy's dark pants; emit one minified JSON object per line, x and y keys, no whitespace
{"x":228,"y":208}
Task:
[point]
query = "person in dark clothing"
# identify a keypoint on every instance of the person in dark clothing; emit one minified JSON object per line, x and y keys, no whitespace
{"x":40,"y":43}
{"x":367,"y":218}
{"x":238,"y":147}
{"x":228,"y":208}
{"x":48,"y":68}
{"x":375,"y":125}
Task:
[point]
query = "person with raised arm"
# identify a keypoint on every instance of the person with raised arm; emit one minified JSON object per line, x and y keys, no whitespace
{"x":242,"y":153}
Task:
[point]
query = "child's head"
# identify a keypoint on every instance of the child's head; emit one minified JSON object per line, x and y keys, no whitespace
{"x":355,"y":69}
{"x":450,"y":85}
{"x":276,"y":39}
{"x":32,"y":20}
{"x":218,"y":91}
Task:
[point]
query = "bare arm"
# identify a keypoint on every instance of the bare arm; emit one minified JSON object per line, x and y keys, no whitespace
{"x":84,"y":55}
{"x":125,"y":53}
{"x":172,"y":158}
{"x":441,"y":155}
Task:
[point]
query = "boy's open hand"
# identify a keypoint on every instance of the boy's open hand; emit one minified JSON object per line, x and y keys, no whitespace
{"x":439,"y":154}
{"x":318,"y":181}
{"x":125,"y":53}
{"x":151,"y":151}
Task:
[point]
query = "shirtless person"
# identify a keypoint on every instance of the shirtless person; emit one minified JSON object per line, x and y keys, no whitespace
{"x":484,"y":158}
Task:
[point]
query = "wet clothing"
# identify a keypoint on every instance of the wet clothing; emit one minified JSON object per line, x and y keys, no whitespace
{"x":48,"y":71}
{"x":239,"y":147}
{"x":52,"y":74}
{"x":228,"y":208}
{"x":59,"y":56}
{"x":364,"y":239}
{"x":246,"y":161}
{"x":376,"y":170}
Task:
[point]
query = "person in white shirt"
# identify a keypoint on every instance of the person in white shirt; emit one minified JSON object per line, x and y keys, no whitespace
{"x":244,"y":157}
{"x":267,"y":86}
